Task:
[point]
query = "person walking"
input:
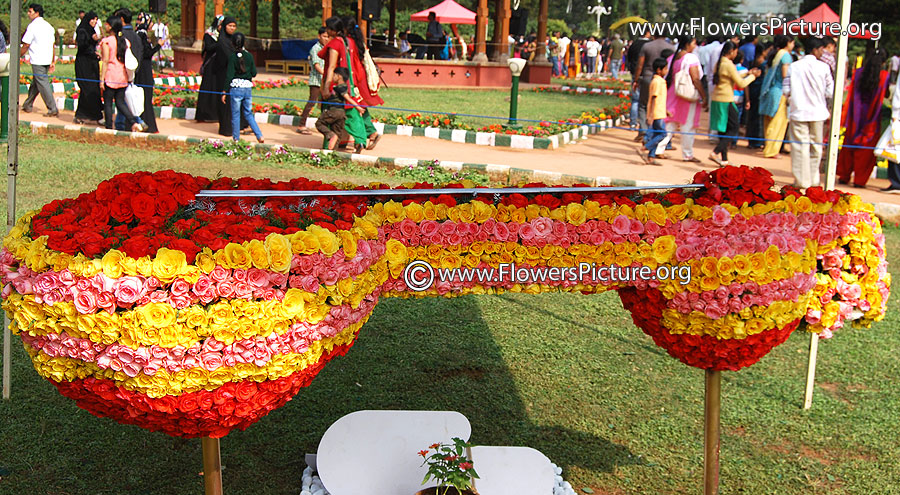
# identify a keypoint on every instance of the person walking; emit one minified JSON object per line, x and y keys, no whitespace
{"x":143,"y":76}
{"x":862,"y":120}
{"x":808,"y":86}
{"x":649,"y":52}
{"x":224,"y":50}
{"x":772,"y":102}
{"x":632,"y":56}
{"x":38,"y":42}
{"x":592,"y":51}
{"x":239,"y":74}
{"x":656,"y":113}
{"x":754,"y":120}
{"x":723,"y":115}
{"x":136,"y":45}
{"x":113,"y":76}
{"x":207,"y":99}
{"x":893,"y":165}
{"x":615,"y":55}
{"x":685,"y":112}
{"x":316,"y":71}
{"x":87,"y":71}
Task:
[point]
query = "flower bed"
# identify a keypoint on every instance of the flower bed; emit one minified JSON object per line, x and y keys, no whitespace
{"x":190,"y":316}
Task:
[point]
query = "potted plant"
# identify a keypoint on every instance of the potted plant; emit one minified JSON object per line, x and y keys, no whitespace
{"x":450,"y":465}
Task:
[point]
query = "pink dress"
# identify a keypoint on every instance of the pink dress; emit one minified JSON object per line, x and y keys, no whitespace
{"x":116,"y":77}
{"x":680,"y":107}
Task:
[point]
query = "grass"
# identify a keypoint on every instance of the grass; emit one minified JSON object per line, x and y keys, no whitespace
{"x":566,"y":374}
{"x":483,"y":103}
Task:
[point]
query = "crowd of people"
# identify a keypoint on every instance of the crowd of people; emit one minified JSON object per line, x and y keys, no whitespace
{"x":780,"y":93}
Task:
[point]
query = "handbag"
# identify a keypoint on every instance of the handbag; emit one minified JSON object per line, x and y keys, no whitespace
{"x":131,"y":62}
{"x":373,"y":76}
{"x":684,"y":85}
{"x":134,"y":98}
{"x":888,"y":146}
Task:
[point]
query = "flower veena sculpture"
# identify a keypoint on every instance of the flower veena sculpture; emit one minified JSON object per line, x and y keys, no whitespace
{"x":195,"y":316}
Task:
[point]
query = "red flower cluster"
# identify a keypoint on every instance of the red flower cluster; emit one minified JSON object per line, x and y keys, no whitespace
{"x":704,"y":351}
{"x":142,"y":212}
{"x":740,"y":185}
{"x":234,"y":405}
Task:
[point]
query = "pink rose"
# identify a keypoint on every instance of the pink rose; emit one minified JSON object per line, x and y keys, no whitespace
{"x":129,"y":289}
{"x":448,"y":227}
{"x":83,"y":284}
{"x":66,"y":277}
{"x":46,"y":282}
{"x":720,"y":217}
{"x":180,"y":287}
{"x":153,"y":283}
{"x":211,"y":360}
{"x":85,"y":302}
{"x":219,"y":274}
{"x":159,"y":296}
{"x":637,"y":227}
{"x":330,"y":278}
{"x":310,"y":284}
{"x":526,"y":231}
{"x":277,"y":279}
{"x":407,"y":228}
{"x":125,"y":354}
{"x":240,"y":275}
{"x":243,"y":290}
{"x":622,"y":225}
{"x":190,"y":362}
{"x":182,"y":301}
{"x":257,"y":278}
{"x":202,"y":284}
{"x":225,"y":289}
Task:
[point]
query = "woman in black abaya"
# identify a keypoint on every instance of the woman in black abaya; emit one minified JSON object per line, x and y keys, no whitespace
{"x":87,"y":71}
{"x":143,"y":77}
{"x":224,"y":49}
{"x":208,"y":97}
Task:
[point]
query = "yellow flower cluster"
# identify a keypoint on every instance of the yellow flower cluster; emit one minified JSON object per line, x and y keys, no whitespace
{"x":749,"y":321}
{"x":191,"y":380}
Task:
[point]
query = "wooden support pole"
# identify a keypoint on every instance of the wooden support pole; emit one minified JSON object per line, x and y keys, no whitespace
{"x":212,"y":466}
{"x":503,"y":14}
{"x":276,"y":19}
{"x":187,"y":20}
{"x":12,"y":168}
{"x":220,"y":7}
{"x":200,"y":21}
{"x":481,"y":19}
{"x":392,"y":23}
{"x":712,"y":409}
{"x":326,"y":10}
{"x":811,"y":369}
{"x":254,"y":18}
{"x":541,"y":55}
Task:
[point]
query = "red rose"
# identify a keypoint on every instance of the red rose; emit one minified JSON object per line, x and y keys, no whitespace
{"x":245,"y":390}
{"x":166,"y":205}
{"x":187,"y":247}
{"x":729,"y":177}
{"x":120,"y":210}
{"x":137,"y":247}
{"x":143,"y":205}
{"x":188,"y":402}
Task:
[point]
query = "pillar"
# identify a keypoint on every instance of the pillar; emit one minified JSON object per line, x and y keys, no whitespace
{"x":541,"y":55}
{"x":276,"y":19}
{"x":200,"y":22}
{"x":502,"y":32}
{"x":220,"y":7}
{"x":363,"y":25}
{"x":187,"y":20}
{"x":481,"y":18}
{"x":495,"y":40}
{"x":392,"y":23}
{"x":254,"y":11}
{"x":326,"y":10}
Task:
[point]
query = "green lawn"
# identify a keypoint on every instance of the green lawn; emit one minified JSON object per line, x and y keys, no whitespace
{"x":569,"y":375}
{"x":488,"y":103}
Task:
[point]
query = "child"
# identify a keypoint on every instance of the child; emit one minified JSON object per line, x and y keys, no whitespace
{"x":239,"y":81}
{"x":316,"y":70}
{"x":331,"y":121}
{"x":656,"y":112}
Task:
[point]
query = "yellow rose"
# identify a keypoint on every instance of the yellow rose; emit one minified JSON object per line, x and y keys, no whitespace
{"x":657,"y":213}
{"x":259,"y":257}
{"x":429,"y":211}
{"x":742,"y":264}
{"x":293,"y":302}
{"x":517,"y":215}
{"x":279,"y":248}
{"x":663,"y":248}
{"x":111,"y":263}
{"x":502,"y":214}
{"x":532,"y":211}
{"x":394,"y":211}
{"x":157,"y":315}
{"x":303,"y":242}
{"x":396,"y":253}
{"x":168,"y":264}
{"x":328,"y":242}
{"x":238,"y":256}
{"x":415,"y":212}
{"x":757,"y":262}
{"x":348,"y":243}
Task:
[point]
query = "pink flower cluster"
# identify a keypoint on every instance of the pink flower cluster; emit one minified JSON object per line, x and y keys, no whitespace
{"x":737,"y":296}
{"x":210,"y":354}
{"x":100,"y":292}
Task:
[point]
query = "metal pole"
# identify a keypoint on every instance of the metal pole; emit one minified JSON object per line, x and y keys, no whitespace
{"x":834,"y":131}
{"x":12,"y":168}
{"x":212,"y":466}
{"x":712,"y":408}
{"x":514,"y":101}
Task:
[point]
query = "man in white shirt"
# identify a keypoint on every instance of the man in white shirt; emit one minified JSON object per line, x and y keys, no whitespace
{"x":563,"y":46}
{"x":38,"y":42}
{"x":895,"y":67}
{"x":809,"y":87}
{"x":593,"y":52}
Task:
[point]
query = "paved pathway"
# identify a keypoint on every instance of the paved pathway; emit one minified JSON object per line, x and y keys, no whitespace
{"x":608,"y":154}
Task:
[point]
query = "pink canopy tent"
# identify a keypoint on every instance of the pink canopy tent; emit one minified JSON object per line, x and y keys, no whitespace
{"x":820,"y":15}
{"x":447,"y":12}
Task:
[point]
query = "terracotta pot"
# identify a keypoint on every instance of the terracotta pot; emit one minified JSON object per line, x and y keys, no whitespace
{"x":434,"y":490}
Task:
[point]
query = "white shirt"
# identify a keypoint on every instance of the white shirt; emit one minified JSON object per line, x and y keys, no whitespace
{"x":809,"y":86}
{"x":705,"y":53}
{"x":895,"y":63}
{"x":593,"y":48}
{"x":563,"y":44}
{"x":161,"y":31}
{"x":40,"y":37}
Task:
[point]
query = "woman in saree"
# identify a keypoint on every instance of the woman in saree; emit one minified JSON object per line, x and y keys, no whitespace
{"x":772,"y":103}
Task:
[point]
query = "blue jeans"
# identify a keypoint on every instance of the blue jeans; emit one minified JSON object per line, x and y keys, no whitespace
{"x":655,"y":135}
{"x":120,"y":121}
{"x":554,"y":65}
{"x":241,"y":102}
{"x":635,"y":103}
{"x":614,"y":67}
{"x":591,"y":64}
